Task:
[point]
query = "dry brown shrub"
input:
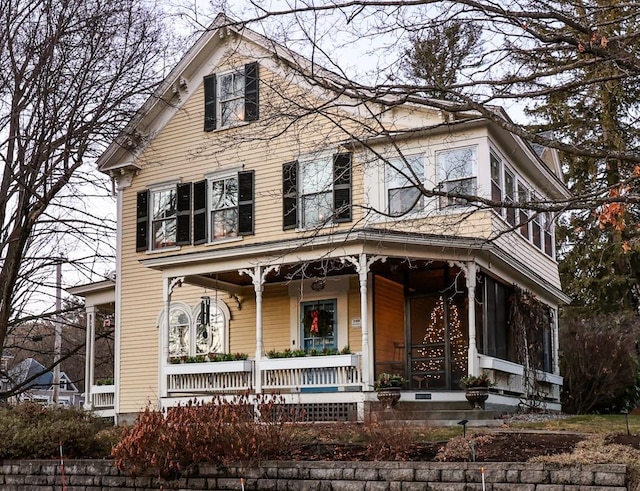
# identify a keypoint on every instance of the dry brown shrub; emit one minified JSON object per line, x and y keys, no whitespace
{"x":388,"y":441}
{"x":597,"y":449}
{"x":461,"y":448}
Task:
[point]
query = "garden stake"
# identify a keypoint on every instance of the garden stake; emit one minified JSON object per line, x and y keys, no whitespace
{"x":482,"y":470}
{"x":242,"y":483}
{"x":64,"y":484}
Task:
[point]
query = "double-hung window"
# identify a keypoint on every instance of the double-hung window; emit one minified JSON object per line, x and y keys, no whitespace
{"x":231,"y":98}
{"x":456,"y":174}
{"x":510,"y":195}
{"x":548,"y":234}
{"x":401,"y":179}
{"x":164,"y":217}
{"x":317,"y":191}
{"x":224,"y":207}
{"x":523,"y":197}
{"x":215,"y":208}
{"x":496,"y":177}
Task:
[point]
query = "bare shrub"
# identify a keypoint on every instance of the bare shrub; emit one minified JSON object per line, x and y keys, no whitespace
{"x":462,"y":448}
{"x":219,"y":432}
{"x":388,"y":442}
{"x":599,"y":362}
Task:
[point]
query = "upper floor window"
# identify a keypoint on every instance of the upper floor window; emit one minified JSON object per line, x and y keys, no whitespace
{"x":317,"y":191}
{"x":231,"y":98}
{"x":401,"y":179}
{"x":456,"y":174}
{"x":510,"y":195}
{"x":548,"y":233}
{"x":222,"y":206}
{"x":523,"y":220}
{"x":496,"y":178}
{"x":164,"y":217}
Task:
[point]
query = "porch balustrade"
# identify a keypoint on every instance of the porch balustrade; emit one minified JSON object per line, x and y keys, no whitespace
{"x":103,"y":397}
{"x":297,"y":374}
{"x":224,"y":376}
{"x":279,"y":374}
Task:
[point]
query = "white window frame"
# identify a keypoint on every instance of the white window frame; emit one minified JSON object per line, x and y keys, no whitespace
{"x":235,"y":97}
{"x":399,"y":175}
{"x":324,"y":189}
{"x":193,"y":315}
{"x":445,"y":178}
{"x":497,"y":182}
{"x":510,"y":197}
{"x":154,"y":191}
{"x":523,"y":193}
{"x":225,"y":316}
{"x":211,"y":179}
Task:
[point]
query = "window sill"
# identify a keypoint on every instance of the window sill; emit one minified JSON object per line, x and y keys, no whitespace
{"x":163,"y":249}
{"x":239,"y":124}
{"x":225,"y":240}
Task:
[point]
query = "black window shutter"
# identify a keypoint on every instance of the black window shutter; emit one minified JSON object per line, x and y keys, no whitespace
{"x":210,"y":101}
{"x":199,"y":212}
{"x":342,"y":187}
{"x":290,"y":195}
{"x":183,"y":233}
{"x":142,"y":220}
{"x":251,"y":101}
{"x":246,"y":205}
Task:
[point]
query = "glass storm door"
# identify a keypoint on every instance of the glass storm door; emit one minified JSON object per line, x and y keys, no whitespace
{"x":438,"y":354}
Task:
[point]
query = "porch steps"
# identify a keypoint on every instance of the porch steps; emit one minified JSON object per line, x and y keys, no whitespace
{"x":433,"y":414}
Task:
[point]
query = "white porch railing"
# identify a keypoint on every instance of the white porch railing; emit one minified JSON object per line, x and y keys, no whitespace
{"x":508,"y":378}
{"x":218,"y":376}
{"x":311,"y":372}
{"x":103,"y":396}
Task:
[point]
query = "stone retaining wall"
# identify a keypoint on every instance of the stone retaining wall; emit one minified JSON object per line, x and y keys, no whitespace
{"x":96,"y":475}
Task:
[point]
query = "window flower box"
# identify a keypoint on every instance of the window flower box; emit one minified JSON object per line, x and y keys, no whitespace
{"x":350,"y":360}
{"x":209,"y":367}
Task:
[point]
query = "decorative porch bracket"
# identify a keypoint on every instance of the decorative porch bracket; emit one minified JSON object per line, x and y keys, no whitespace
{"x":362,"y":265}
{"x":469,"y":269}
{"x":258,"y":275}
{"x":169,"y":284}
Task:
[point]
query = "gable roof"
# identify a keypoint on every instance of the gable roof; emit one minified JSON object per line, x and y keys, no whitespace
{"x":30,"y":367}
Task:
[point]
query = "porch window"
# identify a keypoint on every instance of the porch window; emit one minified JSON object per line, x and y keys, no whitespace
{"x":231,"y":98}
{"x":497,"y":338}
{"x":456,"y":174}
{"x":401,"y":178}
{"x":318,"y":325}
{"x":179,"y":331}
{"x":317,"y":191}
{"x":191,"y":333}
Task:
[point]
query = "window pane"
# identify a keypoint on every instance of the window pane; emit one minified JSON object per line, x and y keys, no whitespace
{"x":224,"y":223}
{"x":403,"y":200}
{"x":317,"y":176}
{"x":164,"y":233}
{"x":399,"y":174}
{"x":164,"y":203}
{"x":456,"y":164}
{"x":210,"y":339}
{"x":319,"y":324}
{"x":317,"y":209}
{"x":178,"y":333}
{"x":232,"y":111}
{"x":224,"y":193}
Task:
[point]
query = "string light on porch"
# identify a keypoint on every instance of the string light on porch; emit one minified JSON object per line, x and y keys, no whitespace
{"x":434,"y":336}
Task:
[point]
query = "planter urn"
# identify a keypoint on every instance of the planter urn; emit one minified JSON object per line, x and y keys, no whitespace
{"x":477,"y":396}
{"x":389,"y":396}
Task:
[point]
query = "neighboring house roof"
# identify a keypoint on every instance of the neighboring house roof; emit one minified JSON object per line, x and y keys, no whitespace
{"x":42,"y":379}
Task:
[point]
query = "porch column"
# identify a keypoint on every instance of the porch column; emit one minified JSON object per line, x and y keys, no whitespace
{"x":470,"y":277}
{"x":362,"y":268}
{"x":258,"y":275}
{"x":89,"y":357}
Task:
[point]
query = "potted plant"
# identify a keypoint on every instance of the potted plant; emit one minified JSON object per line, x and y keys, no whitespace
{"x":476,"y":389}
{"x":388,"y":388}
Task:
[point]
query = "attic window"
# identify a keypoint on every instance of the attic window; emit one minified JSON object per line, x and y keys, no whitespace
{"x":231,"y":98}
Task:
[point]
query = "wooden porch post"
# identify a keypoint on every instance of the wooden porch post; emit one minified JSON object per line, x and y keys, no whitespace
{"x":258,"y":275}
{"x":470,"y":277}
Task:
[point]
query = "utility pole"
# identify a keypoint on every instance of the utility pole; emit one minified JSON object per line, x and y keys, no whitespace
{"x":57,"y":347}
